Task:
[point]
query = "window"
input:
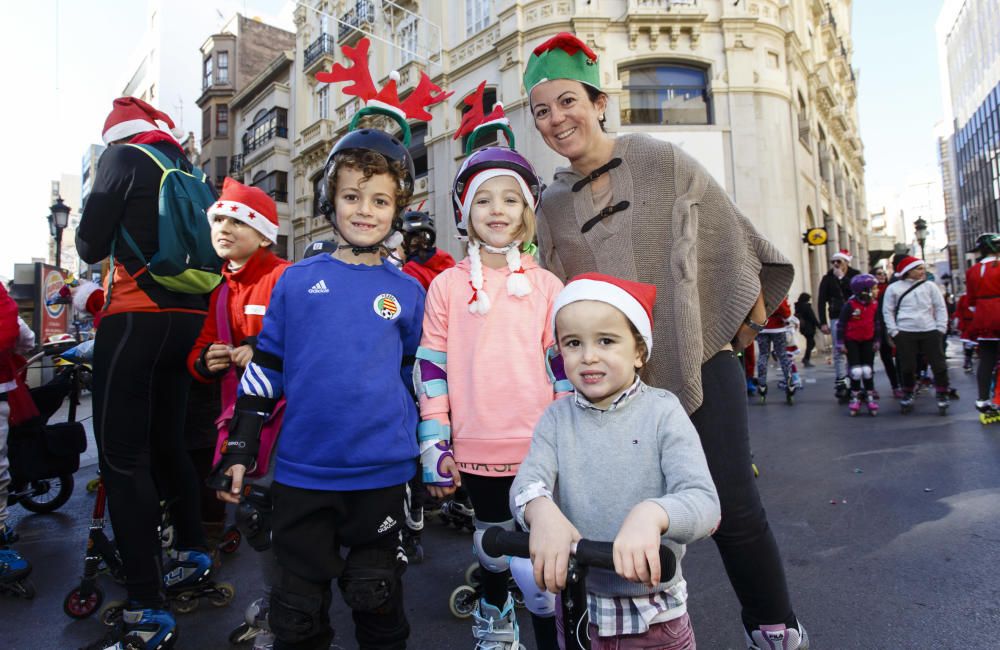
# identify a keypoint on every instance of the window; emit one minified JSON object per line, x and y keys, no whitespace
{"x":221,"y":165}
{"x":222,"y":72}
{"x":490,"y":137}
{"x":323,"y":102}
{"x":267,"y":124}
{"x":206,"y":124}
{"x":477,"y":16}
{"x":418,"y":148}
{"x":275,"y":184}
{"x":222,"y":121}
{"x":206,"y":73}
{"x":406,"y":39}
{"x":665,"y":94}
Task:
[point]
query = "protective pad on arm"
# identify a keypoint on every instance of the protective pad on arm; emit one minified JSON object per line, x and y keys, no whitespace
{"x":556,"y":371}
{"x":430,"y":376}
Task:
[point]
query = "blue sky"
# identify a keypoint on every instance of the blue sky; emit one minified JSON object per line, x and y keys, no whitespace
{"x":48,"y":125}
{"x":899,"y":94}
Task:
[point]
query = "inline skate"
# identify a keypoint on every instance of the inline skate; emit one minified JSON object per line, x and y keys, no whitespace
{"x":254,"y":627}
{"x":458,"y":513}
{"x":496,"y":629}
{"x":841,"y":390}
{"x":989,"y":413}
{"x":139,"y":629}
{"x":762,"y":393}
{"x":14,"y":572}
{"x":943,"y":400}
{"x":855,"y":403}
{"x":871,"y":402}
{"x":464,"y":598}
{"x":187,"y":580}
{"x":906,"y":402}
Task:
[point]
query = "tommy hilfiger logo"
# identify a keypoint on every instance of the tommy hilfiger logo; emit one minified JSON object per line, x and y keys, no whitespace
{"x":319,"y":287}
{"x":386,"y":525}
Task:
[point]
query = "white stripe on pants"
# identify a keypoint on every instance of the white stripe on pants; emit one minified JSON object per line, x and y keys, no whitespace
{"x":4,"y":463}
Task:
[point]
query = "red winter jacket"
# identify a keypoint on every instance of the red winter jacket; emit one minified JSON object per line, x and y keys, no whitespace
{"x":427,"y":271}
{"x":249,"y":295}
{"x":858,"y":320}
{"x":982,"y":282}
{"x":776,"y":322}
{"x":9,"y":332}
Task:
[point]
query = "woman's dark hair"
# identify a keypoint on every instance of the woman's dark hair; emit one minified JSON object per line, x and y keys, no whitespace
{"x":804,"y":297}
{"x":593,"y":94}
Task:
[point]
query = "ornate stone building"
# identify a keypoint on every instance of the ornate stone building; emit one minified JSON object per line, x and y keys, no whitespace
{"x":762,"y":92}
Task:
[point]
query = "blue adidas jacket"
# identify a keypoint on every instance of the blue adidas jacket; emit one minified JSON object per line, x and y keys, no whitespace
{"x":334,"y":340}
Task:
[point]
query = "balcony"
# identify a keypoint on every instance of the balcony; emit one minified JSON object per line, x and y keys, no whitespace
{"x":253,"y":140}
{"x":318,"y":56}
{"x":359,"y":18}
{"x":659,"y":6}
{"x":236,"y":165}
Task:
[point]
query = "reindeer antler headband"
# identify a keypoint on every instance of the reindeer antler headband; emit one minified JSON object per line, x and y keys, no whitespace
{"x":475,"y":120}
{"x":385,"y":101}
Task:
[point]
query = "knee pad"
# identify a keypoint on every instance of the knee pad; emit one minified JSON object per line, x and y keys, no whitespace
{"x":538,"y":601}
{"x":856,"y":372}
{"x":490,"y":563}
{"x":295,"y":618}
{"x":370,"y":578}
{"x":867,"y":372}
{"x":253,"y":516}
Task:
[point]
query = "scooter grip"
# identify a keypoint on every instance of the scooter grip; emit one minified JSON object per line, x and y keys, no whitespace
{"x":498,"y":542}
{"x":601,"y":555}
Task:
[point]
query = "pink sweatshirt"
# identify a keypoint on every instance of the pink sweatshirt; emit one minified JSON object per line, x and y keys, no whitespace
{"x":498,"y":385}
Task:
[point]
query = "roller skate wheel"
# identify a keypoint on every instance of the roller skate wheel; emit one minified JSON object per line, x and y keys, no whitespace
{"x":244,"y":632}
{"x":518,"y":598}
{"x":472,"y":575}
{"x":462,"y":601}
{"x":756,"y":472}
{"x":19,"y":589}
{"x":111,"y":614}
{"x":230,"y":540}
{"x":184,"y":603}
{"x":92,"y":484}
{"x":223,"y":595}
{"x":79,"y":608}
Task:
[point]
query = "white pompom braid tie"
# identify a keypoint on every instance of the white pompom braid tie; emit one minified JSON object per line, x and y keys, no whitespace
{"x":517,"y":283}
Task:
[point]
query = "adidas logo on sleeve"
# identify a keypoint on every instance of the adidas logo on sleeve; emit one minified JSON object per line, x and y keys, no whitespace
{"x":319,"y":287}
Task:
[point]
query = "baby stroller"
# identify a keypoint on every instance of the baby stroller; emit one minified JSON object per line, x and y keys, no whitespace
{"x":44,"y":456}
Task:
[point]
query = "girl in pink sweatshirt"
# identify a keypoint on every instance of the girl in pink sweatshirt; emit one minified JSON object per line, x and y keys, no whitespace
{"x":482,"y":372}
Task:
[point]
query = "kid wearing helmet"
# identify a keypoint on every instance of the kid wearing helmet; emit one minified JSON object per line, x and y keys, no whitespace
{"x":347,"y":445}
{"x":424,"y":260}
{"x":982,"y":282}
{"x":485,"y":335}
{"x":859,"y":335}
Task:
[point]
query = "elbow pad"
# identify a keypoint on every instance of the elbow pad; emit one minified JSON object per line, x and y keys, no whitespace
{"x":435,"y":446}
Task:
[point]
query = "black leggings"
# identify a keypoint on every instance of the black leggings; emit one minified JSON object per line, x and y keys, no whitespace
{"x":140,"y":396}
{"x":859,"y":355}
{"x":744,"y":538}
{"x":987,"y":368}
{"x":810,"y":346}
{"x":931,"y":344}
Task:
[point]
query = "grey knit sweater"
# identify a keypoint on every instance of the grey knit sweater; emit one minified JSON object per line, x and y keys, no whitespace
{"x":600,"y":464}
{"x":680,"y":232}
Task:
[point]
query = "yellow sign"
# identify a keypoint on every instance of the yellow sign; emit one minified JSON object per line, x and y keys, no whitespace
{"x":816,"y":236}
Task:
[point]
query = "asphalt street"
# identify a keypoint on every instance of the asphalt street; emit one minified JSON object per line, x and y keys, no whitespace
{"x":889,"y":528}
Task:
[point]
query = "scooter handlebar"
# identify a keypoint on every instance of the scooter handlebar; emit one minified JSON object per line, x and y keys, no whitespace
{"x":497,"y":541}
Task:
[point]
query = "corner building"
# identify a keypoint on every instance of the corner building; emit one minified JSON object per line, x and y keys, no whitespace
{"x":761,"y":92}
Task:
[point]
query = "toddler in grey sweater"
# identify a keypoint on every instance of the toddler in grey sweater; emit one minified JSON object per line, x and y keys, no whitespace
{"x":617,"y":460}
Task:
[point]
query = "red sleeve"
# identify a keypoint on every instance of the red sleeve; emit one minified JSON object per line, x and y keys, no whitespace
{"x":9,"y":329}
{"x":209,"y":335}
{"x":783,"y":310}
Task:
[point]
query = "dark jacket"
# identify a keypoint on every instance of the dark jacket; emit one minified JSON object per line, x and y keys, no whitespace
{"x":126,"y":193}
{"x":807,"y":318}
{"x":833,"y":293}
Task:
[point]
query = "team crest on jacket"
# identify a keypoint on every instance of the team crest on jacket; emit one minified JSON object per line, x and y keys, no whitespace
{"x":387,"y":306}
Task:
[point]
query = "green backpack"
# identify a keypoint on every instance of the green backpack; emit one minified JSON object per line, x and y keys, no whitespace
{"x":185,"y":261}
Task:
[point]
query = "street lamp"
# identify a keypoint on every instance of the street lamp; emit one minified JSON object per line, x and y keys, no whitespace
{"x":920,"y":229}
{"x":58,"y":220}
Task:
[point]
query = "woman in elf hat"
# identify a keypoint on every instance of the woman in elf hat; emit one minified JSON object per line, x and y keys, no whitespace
{"x":624,"y":207}
{"x":481,"y":372}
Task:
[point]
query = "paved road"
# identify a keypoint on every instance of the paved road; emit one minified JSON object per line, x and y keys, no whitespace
{"x":907,"y":556}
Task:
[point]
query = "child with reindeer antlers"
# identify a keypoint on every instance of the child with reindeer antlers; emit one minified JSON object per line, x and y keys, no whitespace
{"x":487,"y":326}
{"x":347,"y":445}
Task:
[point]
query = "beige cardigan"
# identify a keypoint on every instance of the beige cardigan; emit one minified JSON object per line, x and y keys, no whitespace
{"x":680,"y":232}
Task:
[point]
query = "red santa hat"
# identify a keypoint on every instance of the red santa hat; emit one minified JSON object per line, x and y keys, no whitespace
{"x":907,"y":264}
{"x":251,"y":205}
{"x":842,"y":254}
{"x":634,"y":299}
{"x":130,"y":116}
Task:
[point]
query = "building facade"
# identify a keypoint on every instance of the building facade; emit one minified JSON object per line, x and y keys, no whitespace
{"x":761,"y":92}
{"x":231,"y":58}
{"x":968,"y":33}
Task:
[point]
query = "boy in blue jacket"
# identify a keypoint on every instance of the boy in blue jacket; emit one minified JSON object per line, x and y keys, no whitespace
{"x":339,"y":330}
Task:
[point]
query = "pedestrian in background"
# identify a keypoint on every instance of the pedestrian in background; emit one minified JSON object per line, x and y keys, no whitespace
{"x":808,"y":324}
{"x":834,"y":290}
{"x":886,"y":349}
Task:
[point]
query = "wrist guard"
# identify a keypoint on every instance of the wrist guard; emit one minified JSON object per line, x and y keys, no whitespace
{"x":243,"y":443}
{"x":435,"y":446}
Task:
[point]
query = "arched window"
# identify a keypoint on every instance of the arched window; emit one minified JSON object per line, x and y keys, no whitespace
{"x":665,"y":93}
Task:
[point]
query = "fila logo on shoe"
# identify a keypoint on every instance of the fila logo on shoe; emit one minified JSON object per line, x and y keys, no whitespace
{"x":319,"y":287}
{"x":386,"y":525}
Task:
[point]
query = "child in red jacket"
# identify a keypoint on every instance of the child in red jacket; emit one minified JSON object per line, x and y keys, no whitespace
{"x":773,"y":340}
{"x":859,"y":334}
{"x":424,"y":261}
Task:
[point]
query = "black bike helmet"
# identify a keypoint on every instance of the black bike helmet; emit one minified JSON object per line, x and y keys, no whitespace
{"x":367,"y":140}
{"x":319,"y":246}
{"x":419,"y":224}
{"x":988,"y":243}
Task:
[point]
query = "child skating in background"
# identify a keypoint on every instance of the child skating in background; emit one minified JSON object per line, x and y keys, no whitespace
{"x":244,"y":227}
{"x":859,"y":334}
{"x":336,"y":342}
{"x":481,"y":373}
{"x":618,"y":460}
{"x":773,"y":340}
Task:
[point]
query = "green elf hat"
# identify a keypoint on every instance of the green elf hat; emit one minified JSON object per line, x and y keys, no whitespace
{"x":564,"y":56}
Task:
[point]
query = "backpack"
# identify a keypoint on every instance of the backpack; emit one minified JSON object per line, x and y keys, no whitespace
{"x":185,"y":261}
